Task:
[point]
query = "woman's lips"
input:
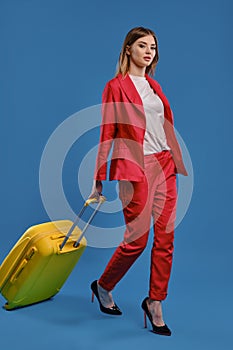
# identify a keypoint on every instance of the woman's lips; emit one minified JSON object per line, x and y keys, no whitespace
{"x":147,"y":58}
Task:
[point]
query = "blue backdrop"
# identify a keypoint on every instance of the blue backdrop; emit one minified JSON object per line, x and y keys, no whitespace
{"x":56,"y":56}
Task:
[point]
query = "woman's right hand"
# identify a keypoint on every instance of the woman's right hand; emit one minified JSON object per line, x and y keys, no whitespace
{"x":96,"y":191}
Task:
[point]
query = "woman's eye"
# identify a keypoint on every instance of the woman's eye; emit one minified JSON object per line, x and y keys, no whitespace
{"x":143,"y":46}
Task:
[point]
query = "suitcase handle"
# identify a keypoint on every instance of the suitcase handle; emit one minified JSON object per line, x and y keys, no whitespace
{"x":18,"y":271}
{"x":101,"y":200}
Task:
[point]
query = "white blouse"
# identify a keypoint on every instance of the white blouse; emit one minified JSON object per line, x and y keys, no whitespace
{"x":155,"y":138}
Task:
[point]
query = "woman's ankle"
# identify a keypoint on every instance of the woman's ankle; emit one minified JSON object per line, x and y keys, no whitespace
{"x":155,"y":308}
{"x":105,"y":296}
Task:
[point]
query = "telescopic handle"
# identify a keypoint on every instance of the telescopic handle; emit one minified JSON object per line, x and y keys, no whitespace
{"x":101,"y":200}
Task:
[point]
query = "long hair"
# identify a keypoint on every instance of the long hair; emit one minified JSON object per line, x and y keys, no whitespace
{"x":124,"y":60}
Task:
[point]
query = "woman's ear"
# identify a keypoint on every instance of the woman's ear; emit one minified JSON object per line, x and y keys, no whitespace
{"x":127,"y":50}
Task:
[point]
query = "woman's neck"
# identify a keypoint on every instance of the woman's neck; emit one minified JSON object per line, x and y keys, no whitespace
{"x":135,"y":70}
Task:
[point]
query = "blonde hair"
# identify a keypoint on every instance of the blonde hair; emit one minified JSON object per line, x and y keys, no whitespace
{"x":124,"y":60}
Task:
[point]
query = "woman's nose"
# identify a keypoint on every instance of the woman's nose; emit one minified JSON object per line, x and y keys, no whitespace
{"x":148,"y":50}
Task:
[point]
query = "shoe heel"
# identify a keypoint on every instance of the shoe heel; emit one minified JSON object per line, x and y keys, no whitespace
{"x":92,"y":297}
{"x":145,"y":320}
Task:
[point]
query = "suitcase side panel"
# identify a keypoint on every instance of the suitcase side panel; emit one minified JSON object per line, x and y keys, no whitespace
{"x":43,"y":268}
{"x":41,"y":279}
{"x":12,"y":259}
{"x":17,"y":253}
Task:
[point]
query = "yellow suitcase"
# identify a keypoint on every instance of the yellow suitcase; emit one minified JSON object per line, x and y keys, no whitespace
{"x":40,"y":262}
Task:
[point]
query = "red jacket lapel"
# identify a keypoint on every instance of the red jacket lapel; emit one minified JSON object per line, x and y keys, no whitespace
{"x":129,"y":89}
{"x":133,"y":96}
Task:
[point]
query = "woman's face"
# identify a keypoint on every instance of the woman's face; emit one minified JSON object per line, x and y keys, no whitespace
{"x":142,"y":51}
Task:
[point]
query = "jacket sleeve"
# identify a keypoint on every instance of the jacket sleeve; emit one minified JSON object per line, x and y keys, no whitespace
{"x":108,"y":130}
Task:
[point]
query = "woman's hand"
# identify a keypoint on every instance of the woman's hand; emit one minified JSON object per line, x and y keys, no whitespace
{"x":96,"y":191}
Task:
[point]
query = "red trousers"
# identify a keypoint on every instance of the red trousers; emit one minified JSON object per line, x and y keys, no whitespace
{"x":154,"y":197}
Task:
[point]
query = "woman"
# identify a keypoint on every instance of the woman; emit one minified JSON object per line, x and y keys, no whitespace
{"x":137,"y":119}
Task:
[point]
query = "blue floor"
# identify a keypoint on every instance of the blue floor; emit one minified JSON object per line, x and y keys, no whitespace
{"x":196,"y":310}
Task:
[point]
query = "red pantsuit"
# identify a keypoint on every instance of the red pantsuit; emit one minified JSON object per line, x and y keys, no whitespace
{"x":154,"y":197}
{"x":147,"y":184}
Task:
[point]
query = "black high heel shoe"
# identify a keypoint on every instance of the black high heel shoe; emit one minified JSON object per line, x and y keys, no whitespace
{"x":162,"y":330}
{"x":114,"y":310}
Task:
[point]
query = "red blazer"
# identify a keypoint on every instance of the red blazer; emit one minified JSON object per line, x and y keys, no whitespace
{"x":124,"y":122}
